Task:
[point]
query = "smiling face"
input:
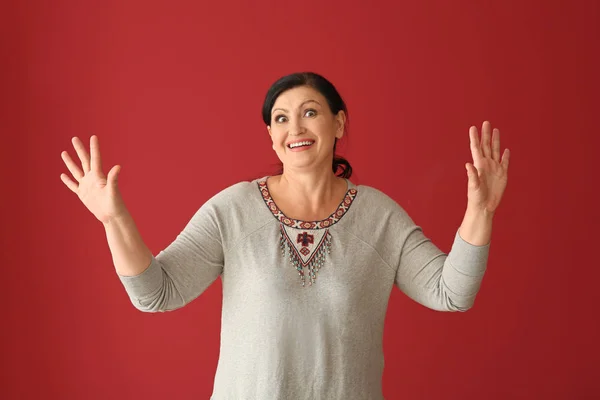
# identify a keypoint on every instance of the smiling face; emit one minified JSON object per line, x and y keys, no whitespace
{"x":303,"y":129}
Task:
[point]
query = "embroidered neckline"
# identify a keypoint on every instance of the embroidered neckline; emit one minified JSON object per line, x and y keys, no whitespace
{"x":296,"y":223}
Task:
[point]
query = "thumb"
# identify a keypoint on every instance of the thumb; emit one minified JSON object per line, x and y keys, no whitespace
{"x":113,"y":175}
{"x":472,"y":175}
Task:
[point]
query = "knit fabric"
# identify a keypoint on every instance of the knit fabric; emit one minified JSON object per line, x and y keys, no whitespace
{"x":304,"y":302}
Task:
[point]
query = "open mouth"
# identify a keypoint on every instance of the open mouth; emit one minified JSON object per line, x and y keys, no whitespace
{"x":296,"y":145}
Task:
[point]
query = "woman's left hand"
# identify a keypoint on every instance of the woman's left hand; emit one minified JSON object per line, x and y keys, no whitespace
{"x":488,"y":175}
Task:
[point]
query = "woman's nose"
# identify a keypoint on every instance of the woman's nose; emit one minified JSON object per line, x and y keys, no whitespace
{"x":296,"y":127}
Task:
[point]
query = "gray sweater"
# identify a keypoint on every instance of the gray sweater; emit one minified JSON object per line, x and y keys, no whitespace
{"x":304,"y":302}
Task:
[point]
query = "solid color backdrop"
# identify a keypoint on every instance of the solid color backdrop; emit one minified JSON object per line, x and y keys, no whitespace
{"x":174,"y":91}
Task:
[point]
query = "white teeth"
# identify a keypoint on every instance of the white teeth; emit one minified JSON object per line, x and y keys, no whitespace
{"x":293,"y":145}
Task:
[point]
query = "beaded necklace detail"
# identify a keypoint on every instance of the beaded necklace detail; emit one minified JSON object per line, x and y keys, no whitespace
{"x":306,"y":243}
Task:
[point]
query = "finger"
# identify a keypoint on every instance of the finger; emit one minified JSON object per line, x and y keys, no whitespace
{"x":73,"y":168}
{"x":496,"y":145}
{"x":96,"y":160}
{"x":472,"y":175}
{"x":113,"y":175}
{"x":485,"y":139}
{"x":84,"y":157}
{"x":475,"y":148}
{"x":505,"y":160}
{"x":70,"y":184}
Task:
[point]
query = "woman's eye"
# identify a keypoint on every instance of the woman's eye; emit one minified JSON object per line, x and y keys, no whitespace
{"x":282,"y":118}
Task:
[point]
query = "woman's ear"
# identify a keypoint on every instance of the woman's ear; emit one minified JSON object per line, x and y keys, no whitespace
{"x":271,"y":136}
{"x":341,"y":123}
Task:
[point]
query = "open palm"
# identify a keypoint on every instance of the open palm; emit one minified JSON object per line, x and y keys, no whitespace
{"x":98,"y":192}
{"x":488,"y":175}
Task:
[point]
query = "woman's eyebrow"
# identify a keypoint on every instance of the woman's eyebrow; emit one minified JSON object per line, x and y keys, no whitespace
{"x":303,"y":103}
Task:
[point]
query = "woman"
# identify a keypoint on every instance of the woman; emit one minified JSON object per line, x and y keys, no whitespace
{"x":307,"y":259}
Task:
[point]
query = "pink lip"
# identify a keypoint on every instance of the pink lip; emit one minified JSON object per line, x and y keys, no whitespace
{"x":300,"y":148}
{"x":298,"y":141}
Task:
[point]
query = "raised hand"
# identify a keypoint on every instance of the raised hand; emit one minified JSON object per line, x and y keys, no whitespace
{"x":98,"y":192}
{"x":488,"y":175}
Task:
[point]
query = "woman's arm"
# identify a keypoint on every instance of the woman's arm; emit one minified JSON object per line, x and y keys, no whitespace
{"x":179,"y":273}
{"x":450,"y":282}
{"x":130,"y":254}
{"x":476,"y":227}
{"x":437,"y":280}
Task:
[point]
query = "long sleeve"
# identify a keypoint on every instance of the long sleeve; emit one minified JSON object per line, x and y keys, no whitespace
{"x":443,"y":282}
{"x":182,"y":271}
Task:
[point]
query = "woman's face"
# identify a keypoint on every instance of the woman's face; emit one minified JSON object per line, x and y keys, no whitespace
{"x":303,"y":129}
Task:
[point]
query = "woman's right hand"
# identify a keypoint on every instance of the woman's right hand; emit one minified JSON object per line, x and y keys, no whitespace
{"x":98,"y":192}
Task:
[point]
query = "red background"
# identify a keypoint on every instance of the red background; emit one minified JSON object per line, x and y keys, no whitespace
{"x":174,"y":92}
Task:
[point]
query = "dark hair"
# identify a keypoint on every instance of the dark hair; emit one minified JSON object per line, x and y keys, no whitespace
{"x":323,"y":86}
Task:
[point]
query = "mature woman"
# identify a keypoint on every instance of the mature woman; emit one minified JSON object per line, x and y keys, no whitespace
{"x":307,"y":259}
